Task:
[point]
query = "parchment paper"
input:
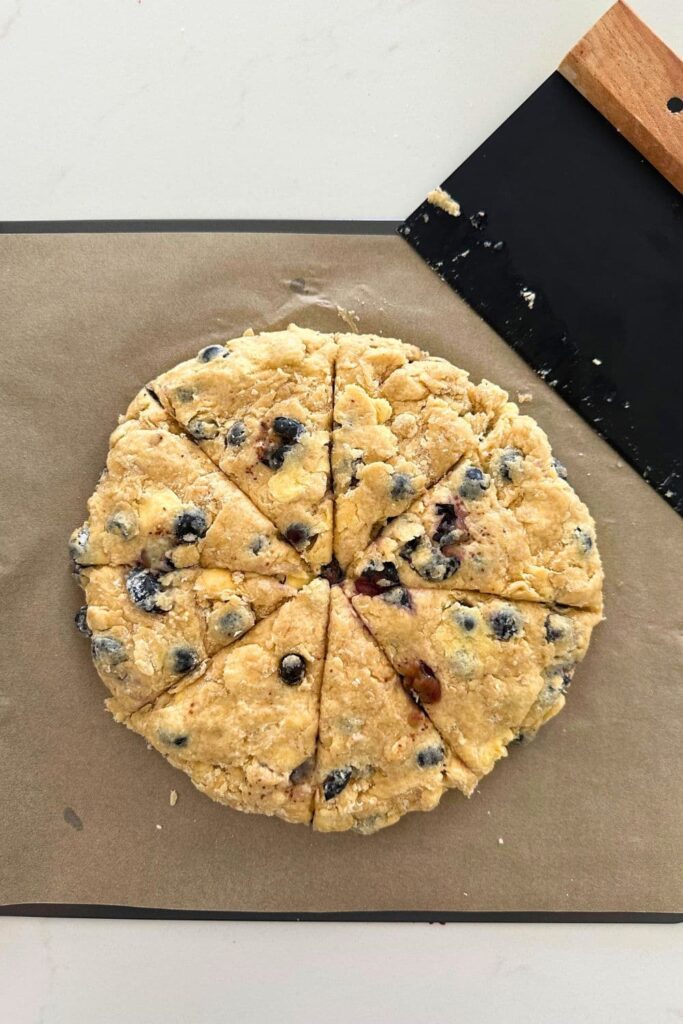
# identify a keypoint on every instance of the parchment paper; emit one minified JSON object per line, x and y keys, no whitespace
{"x":589,"y":814}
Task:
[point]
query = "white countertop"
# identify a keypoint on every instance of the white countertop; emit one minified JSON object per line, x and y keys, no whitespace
{"x":305,"y":109}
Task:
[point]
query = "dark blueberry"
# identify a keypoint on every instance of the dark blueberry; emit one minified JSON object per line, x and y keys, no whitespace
{"x":202,"y":428}
{"x":430,"y":756}
{"x":336,"y":781}
{"x":233,"y":624}
{"x":79,"y":543}
{"x":584,"y":539}
{"x":299,"y":536}
{"x":183,"y":394}
{"x":560,"y":469}
{"x":257,"y":544}
{"x":292,"y":669}
{"x":205,"y":355}
{"x":332,"y":572}
{"x":421,"y":681}
{"x":302,"y":772}
{"x":173,"y":739}
{"x":81,"y":620}
{"x":107,"y":650}
{"x":124,"y":524}
{"x":505,"y":623}
{"x":398,"y":596}
{"x":510,"y":464}
{"x":182,"y":660}
{"x":557,"y":628}
{"x":466,"y":619}
{"x":478,"y":219}
{"x":376,"y":578}
{"x":474,"y":483}
{"x":190,"y":525}
{"x":355,"y":466}
{"x":274,"y":458}
{"x":288,"y":428}
{"x":144,"y":589}
{"x":401,"y":487}
{"x":237,"y":434}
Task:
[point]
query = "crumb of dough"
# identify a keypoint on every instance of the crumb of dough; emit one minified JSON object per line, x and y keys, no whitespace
{"x":597,"y":362}
{"x":524,"y":396}
{"x":439,"y":197}
{"x":173,"y":798}
{"x":528,"y":296}
{"x":349,"y":317}
{"x":500,"y":840}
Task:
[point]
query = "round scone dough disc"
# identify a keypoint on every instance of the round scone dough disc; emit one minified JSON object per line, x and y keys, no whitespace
{"x":478,"y":664}
{"x":245,"y":731}
{"x":402,"y":419}
{"x":504,"y":522}
{"x":378,"y":755}
{"x":149,"y":630}
{"x":261,"y":409}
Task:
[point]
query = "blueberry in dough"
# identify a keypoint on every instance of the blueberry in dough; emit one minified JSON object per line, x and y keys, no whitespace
{"x":292,"y":669}
{"x":584,"y":539}
{"x":257,"y":544}
{"x":466,"y":619}
{"x":144,"y":589}
{"x":232,"y":624}
{"x":505,"y":623}
{"x":288,"y":428}
{"x":560,"y":469}
{"x":336,"y":781}
{"x":302,"y":772}
{"x":81,"y":620}
{"x":398,"y":596}
{"x":124,"y":524}
{"x":557,"y":627}
{"x":429,"y":756}
{"x":190,"y":525}
{"x":299,"y":536}
{"x":376,"y":578}
{"x":173,"y":739}
{"x":205,"y":355}
{"x":79,"y":542}
{"x":202,"y":428}
{"x":237,"y":434}
{"x":474,"y":483}
{"x":510,"y":465}
{"x":183,"y":660}
{"x":107,"y":650}
{"x":274,"y":458}
{"x":401,"y":486}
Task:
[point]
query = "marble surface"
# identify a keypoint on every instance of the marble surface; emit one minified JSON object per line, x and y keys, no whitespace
{"x":307,"y":109}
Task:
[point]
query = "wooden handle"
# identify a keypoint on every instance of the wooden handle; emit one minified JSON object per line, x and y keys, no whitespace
{"x":636,"y":82}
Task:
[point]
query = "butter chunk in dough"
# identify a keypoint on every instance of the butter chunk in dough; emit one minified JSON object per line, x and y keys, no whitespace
{"x":245,"y":731}
{"x":502,"y":522}
{"x":160,"y":502}
{"x":379,"y":756}
{"x":261,"y":409}
{"x":150,"y":630}
{"x":402,"y":419}
{"x":478,"y":664}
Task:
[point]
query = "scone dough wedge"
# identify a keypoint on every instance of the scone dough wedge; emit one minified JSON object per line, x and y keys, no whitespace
{"x":163,"y":504}
{"x":503,"y":522}
{"x":478,"y":664}
{"x":378,"y":755}
{"x":402,"y":419}
{"x":261,"y":408}
{"x":150,"y":630}
{"x":245,"y":731}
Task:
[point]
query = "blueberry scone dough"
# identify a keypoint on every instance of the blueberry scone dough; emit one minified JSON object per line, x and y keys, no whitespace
{"x":150,"y":630}
{"x":378,"y":754}
{"x":162,"y":503}
{"x":478,"y":665}
{"x":245,"y":730}
{"x":402,"y":419}
{"x":504,"y":522}
{"x":261,"y":408}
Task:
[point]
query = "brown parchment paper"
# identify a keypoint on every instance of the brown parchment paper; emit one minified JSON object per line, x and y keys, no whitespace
{"x":589,"y":814}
